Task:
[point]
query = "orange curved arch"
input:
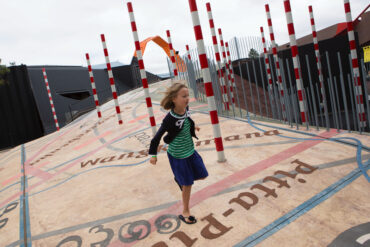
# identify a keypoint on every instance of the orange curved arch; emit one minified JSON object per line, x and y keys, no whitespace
{"x":181,"y":67}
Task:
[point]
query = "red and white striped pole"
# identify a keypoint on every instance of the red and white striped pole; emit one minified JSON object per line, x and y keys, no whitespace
{"x":220,"y":72}
{"x":93,"y":85}
{"x":277,"y":64}
{"x":231,"y":72}
{"x":144,"y":80}
{"x":267,"y":62}
{"x":172,"y":52}
{"x":187,"y":50}
{"x":318,"y":62}
{"x":356,"y":72}
{"x":207,"y":80}
{"x":50,"y":99}
{"x":111,"y":79}
{"x":297,"y":69}
{"x":225,"y":64}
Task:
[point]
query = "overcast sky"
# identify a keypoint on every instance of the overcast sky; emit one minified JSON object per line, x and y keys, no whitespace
{"x":60,"y":32}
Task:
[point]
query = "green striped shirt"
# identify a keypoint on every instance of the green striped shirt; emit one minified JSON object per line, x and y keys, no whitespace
{"x":182,"y":146}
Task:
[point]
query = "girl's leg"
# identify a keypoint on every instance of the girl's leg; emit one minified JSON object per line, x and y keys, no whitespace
{"x":186,"y":190}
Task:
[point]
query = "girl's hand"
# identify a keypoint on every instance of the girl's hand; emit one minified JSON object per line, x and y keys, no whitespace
{"x":197,"y":128}
{"x":153,"y":160}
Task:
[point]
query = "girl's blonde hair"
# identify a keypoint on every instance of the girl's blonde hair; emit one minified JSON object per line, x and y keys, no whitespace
{"x":170,"y":94}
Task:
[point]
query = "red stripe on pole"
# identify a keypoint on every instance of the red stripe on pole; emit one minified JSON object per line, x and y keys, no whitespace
{"x":214,"y":117}
{"x":349,"y":26}
{"x":214,"y":40}
{"x":168,"y":33}
{"x":294,"y":49}
{"x":314,"y":34}
{"x":300,"y":96}
{"x":352,"y":45}
{"x":152,"y":121}
{"x":316,"y":46}
{"x":347,"y":8}
{"x":137,"y":45}
{"x":219,"y":145}
{"x":118,"y":110}
{"x":287,"y":6}
{"x":114,"y":95}
{"x":269,"y":22}
{"x":267,"y":8}
{"x":87,"y":56}
{"x":94,"y":91}
{"x":102,"y":37}
{"x":129,"y":7}
{"x":96,"y":103}
{"x":99,"y":114}
{"x":193,"y":5}
{"x":148,"y":102}
{"x":144,"y":82}
{"x":111,"y":80}
{"x":198,"y":32}
{"x":105,"y":52}
{"x":133,"y":26}
{"x":208,"y":88}
{"x":141,"y":64}
{"x":208,"y":5}
{"x":203,"y":61}
{"x":310,"y":8}
{"x":291,"y":29}
{"x":211,"y":24}
{"x":296,"y":72}
{"x":303,"y":116}
{"x":354,"y":63}
{"x":109,"y":66}
{"x":218,"y":58}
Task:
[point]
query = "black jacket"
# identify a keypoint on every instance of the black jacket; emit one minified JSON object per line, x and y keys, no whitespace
{"x":172,"y":125}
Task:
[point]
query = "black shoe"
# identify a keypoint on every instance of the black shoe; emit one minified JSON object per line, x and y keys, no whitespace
{"x":188,"y":220}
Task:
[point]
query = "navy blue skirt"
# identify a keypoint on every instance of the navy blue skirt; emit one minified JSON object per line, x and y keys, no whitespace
{"x":188,"y":170}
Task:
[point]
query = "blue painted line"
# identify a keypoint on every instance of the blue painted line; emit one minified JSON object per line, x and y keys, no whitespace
{"x":299,"y":211}
{"x":80,"y":173}
{"x":24,"y":219}
{"x":359,"y":147}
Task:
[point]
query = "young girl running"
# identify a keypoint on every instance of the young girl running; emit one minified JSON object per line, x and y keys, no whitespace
{"x":186,"y":163}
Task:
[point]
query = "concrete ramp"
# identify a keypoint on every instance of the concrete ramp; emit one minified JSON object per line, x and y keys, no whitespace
{"x":91,"y":184}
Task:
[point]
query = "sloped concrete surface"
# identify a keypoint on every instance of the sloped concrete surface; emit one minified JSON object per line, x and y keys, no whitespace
{"x":91,"y":183}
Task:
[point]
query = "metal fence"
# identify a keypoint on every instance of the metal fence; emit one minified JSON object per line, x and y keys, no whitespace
{"x":254,"y":97}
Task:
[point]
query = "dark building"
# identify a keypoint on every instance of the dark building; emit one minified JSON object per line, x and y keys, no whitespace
{"x":24,"y":102}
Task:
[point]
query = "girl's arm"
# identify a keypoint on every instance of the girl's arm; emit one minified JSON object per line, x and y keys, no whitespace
{"x":156,"y":139}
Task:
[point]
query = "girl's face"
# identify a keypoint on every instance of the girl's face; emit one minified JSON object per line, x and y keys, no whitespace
{"x":181,"y":100}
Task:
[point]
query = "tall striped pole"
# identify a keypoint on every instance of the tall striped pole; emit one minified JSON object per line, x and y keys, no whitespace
{"x":267,"y":64}
{"x":111,"y":79}
{"x":318,"y":63}
{"x":231,"y":72}
{"x":172,"y":55}
{"x":277,"y":65}
{"x":220,"y":72}
{"x":93,"y":85}
{"x":187,"y":50}
{"x":356,"y":72}
{"x":224,"y":63}
{"x":50,"y":99}
{"x":144,"y":80}
{"x":207,"y":80}
{"x":297,"y":69}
